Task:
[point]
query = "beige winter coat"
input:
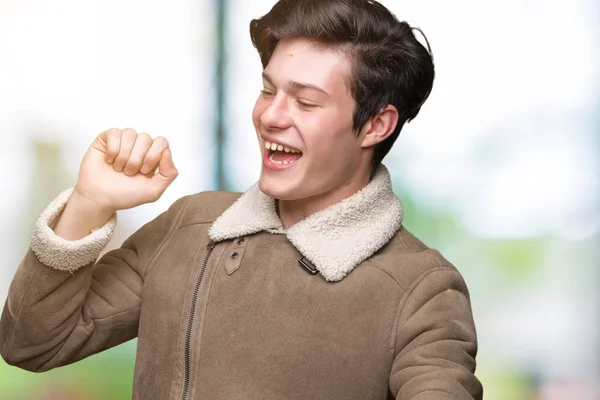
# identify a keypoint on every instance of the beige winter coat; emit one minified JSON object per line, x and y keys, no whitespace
{"x":346,"y":304}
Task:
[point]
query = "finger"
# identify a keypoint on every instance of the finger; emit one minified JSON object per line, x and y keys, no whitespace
{"x":112,"y":143}
{"x":128,"y":137}
{"x":142,"y":143}
{"x":153,"y":155}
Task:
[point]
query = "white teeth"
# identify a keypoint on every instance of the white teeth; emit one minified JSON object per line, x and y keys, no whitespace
{"x":285,"y":162}
{"x":279,"y":147}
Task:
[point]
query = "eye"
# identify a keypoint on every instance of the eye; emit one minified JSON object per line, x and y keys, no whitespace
{"x":307,"y":106}
{"x":267,"y":94}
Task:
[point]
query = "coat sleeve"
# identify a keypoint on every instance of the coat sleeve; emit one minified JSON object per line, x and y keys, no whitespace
{"x":436,"y":342}
{"x":64,"y":305}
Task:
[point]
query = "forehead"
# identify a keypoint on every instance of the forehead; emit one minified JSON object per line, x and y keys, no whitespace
{"x":300,"y":60}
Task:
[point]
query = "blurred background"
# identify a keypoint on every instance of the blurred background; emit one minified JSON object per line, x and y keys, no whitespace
{"x":500,"y":171}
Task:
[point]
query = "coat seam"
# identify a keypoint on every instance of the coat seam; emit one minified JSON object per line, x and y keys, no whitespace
{"x":435,"y":390}
{"x":85,"y":326}
{"x":194,"y":223}
{"x":161,"y":246}
{"x":17,"y":313}
{"x":379,"y":267}
{"x":404,"y":299}
{"x":405,"y":244}
{"x":100,"y":319}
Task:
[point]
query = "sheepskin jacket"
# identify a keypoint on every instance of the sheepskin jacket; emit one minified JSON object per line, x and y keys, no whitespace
{"x":227,"y":304}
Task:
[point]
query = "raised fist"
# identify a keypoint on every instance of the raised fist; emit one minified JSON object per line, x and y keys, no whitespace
{"x":123,"y":169}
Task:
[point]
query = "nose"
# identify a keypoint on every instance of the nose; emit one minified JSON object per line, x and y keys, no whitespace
{"x":276,"y":116}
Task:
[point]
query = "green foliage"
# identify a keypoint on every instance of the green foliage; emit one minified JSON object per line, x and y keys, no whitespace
{"x":518,"y":260}
{"x":107,"y":375}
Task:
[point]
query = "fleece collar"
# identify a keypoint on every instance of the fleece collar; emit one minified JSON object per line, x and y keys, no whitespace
{"x":335,"y":239}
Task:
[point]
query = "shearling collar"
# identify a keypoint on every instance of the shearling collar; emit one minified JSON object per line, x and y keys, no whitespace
{"x":335,"y":239}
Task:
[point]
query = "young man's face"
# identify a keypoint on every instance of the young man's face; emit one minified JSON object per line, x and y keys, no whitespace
{"x":307,"y":107}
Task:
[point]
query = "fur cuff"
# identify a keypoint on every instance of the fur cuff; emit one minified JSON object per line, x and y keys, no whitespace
{"x":62,"y":254}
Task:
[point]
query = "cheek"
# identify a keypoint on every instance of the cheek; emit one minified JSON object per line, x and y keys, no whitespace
{"x":329,"y":137}
{"x":259,"y":108}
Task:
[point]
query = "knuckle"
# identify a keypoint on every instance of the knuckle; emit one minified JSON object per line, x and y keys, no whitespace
{"x":144,"y":137}
{"x":113,"y":131}
{"x":129,"y":132}
{"x":161,"y":140}
{"x":133,"y":164}
{"x":113,"y":134}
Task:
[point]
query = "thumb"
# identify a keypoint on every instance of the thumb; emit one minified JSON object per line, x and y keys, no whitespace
{"x":166,"y":169}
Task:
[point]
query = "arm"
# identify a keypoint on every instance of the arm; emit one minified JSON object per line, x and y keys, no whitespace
{"x":61,"y":307}
{"x":436,"y":342}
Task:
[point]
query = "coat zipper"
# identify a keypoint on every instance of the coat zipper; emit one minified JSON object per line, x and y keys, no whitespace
{"x":188,"y":335}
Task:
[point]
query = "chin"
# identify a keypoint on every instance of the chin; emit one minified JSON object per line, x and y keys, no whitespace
{"x":277,"y":188}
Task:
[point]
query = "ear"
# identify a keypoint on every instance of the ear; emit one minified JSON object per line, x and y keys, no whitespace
{"x":380,"y":127}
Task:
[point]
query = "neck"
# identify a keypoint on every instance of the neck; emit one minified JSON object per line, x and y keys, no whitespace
{"x":293,"y":211}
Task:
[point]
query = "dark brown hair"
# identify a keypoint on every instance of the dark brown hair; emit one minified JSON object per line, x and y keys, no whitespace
{"x":390,"y":66}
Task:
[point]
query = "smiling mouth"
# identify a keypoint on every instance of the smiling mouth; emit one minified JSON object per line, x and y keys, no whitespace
{"x":279,"y":155}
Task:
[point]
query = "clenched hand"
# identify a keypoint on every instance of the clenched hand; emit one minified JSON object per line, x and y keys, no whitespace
{"x":123,"y":169}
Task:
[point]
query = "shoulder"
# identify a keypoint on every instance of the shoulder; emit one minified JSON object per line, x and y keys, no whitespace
{"x":408,"y":261}
{"x":203,"y":207}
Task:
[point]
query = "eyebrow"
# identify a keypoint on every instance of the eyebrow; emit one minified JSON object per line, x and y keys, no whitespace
{"x":296,"y":85}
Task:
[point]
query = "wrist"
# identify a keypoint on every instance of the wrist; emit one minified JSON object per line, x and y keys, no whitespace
{"x":80,"y":217}
{"x":87,"y":205}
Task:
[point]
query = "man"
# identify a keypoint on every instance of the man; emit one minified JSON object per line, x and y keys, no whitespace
{"x":304,"y":287}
